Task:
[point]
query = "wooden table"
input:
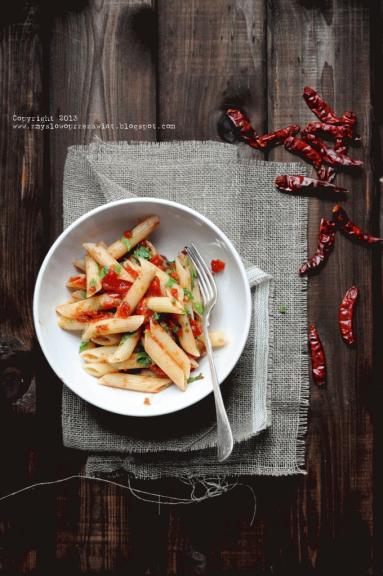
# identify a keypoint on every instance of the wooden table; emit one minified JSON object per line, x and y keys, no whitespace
{"x":179,"y":62}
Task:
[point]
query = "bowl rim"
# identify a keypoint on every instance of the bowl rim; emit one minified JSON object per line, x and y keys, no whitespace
{"x":140,"y":200}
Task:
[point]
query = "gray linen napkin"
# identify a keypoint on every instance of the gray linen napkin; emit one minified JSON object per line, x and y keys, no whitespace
{"x":268,"y":228}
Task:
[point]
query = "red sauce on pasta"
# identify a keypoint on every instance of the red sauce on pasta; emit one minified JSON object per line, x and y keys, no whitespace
{"x":112,"y":283}
{"x":154,"y":288}
{"x":124,"y":310}
{"x":196,"y":328}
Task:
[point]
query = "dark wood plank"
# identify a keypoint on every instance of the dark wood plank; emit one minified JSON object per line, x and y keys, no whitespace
{"x":21,"y":237}
{"x":112,"y":84}
{"x":212,"y":54}
{"x":332,"y":509}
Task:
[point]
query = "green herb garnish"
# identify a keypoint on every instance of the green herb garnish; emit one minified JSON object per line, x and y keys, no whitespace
{"x":82,"y":293}
{"x":194,"y":276}
{"x":170,"y":282}
{"x":282,"y":309}
{"x":194,"y":378}
{"x":126,"y":243}
{"x":125,"y":337}
{"x":142,"y":252}
{"x":198,"y":307}
{"x":103,"y":272}
{"x":188,"y":294}
{"x":165,"y":327}
{"x":144,"y":359}
{"x":156,"y":316}
{"x":117,"y":268}
{"x":92,"y":283}
{"x":84,"y":345}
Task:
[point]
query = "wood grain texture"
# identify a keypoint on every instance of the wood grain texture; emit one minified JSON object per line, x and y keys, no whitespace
{"x":336,"y":501}
{"x":139,"y":62}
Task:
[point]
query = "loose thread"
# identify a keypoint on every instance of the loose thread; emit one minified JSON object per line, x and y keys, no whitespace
{"x":212,"y":490}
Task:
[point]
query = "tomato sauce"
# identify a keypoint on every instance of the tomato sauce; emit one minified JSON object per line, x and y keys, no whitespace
{"x":154,"y":288}
{"x":124,"y":310}
{"x":196,"y":328}
{"x":217,"y":266}
{"x":77,"y":281}
{"x":157,"y":371}
{"x":159,"y":261}
{"x":112,"y":283}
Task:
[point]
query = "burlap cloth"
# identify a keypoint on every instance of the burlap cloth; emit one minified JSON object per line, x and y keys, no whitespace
{"x":267,"y":393}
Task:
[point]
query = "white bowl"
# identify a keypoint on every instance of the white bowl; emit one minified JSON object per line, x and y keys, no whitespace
{"x":178,"y":227}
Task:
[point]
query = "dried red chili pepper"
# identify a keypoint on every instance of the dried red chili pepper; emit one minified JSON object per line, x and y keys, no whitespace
{"x":323,"y":111}
{"x":326,"y":241}
{"x":327,"y":174}
{"x":329,"y":155}
{"x":305,"y":184}
{"x":350,"y":229}
{"x":318,"y":359}
{"x":242,"y":125}
{"x":346,"y":314}
{"x":277,"y":137}
{"x":247,"y":133}
{"x":338,"y":132}
{"x":302,"y":148}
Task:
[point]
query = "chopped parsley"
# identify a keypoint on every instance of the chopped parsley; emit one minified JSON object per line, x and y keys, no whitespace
{"x":282,"y":309}
{"x":156,"y":316}
{"x":127,"y":244}
{"x":82,"y":293}
{"x":103,"y":272}
{"x":142,"y":252}
{"x":170,"y":282}
{"x":188,"y":294}
{"x":198,"y":307}
{"x":194,"y":378}
{"x":165,"y":327}
{"x":92,"y":283}
{"x":84,"y":345}
{"x":117,"y":268}
{"x":194,"y":276}
{"x":144,"y":359}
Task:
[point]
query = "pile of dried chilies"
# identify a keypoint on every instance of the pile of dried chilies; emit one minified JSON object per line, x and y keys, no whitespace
{"x":326,"y":161}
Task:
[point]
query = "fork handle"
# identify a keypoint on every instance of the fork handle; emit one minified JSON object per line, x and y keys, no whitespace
{"x":224,"y":433}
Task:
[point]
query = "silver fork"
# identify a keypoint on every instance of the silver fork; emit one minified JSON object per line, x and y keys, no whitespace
{"x":209,"y":296}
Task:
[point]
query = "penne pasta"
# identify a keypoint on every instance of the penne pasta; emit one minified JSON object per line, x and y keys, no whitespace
{"x":138,"y":288}
{"x":124,"y":244}
{"x":186,"y":337}
{"x":107,"y":340}
{"x":183,"y":274}
{"x":171,"y":347}
{"x":101,"y":255}
{"x":115,"y":292}
{"x":126,"y":347}
{"x":217,"y":339}
{"x":93,"y":304}
{"x":77,"y":282}
{"x":93,"y":280}
{"x":164,"y":304}
{"x":164,"y":361}
{"x":79,"y":264}
{"x":113,"y":325}
{"x":78,"y":295}
{"x":136,"y":382}
{"x":98,"y":369}
{"x":100,"y":354}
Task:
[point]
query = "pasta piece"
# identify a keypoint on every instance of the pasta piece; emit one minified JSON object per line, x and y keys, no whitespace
{"x":164,"y":304}
{"x":164,"y":361}
{"x":123,"y":245}
{"x":168,"y":283}
{"x":171,"y":347}
{"x":183,"y":274}
{"x":152,"y":248}
{"x":136,"y":382}
{"x":79,"y":264}
{"x":100,"y":354}
{"x":93,"y":304}
{"x":113,"y":326}
{"x":78,"y":295}
{"x":138,"y":288}
{"x":100,"y":254}
{"x":126,"y":347}
{"x":70,"y":324}
{"x":93,"y":281}
{"x":77,"y":282}
{"x":108,"y":340}
{"x":132,"y":363}
{"x":98,"y":369}
{"x":186,"y":337}
{"x":217,"y":339}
